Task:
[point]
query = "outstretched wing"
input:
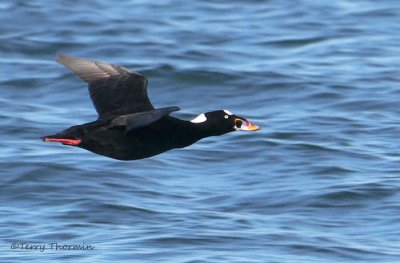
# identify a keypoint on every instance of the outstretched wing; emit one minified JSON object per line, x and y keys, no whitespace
{"x":138,"y":120}
{"x":114,"y":90}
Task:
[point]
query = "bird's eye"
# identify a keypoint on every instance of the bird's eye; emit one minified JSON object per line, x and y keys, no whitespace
{"x":226,"y":116}
{"x":238,"y":123}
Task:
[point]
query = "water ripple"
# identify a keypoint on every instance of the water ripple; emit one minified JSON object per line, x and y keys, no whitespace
{"x":319,"y":182}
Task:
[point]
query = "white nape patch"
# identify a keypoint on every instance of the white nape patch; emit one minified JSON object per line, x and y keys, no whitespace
{"x":228,"y":112}
{"x":199,"y":119}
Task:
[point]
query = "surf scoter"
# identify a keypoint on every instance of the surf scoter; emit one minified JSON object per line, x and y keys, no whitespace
{"x":128,"y":126}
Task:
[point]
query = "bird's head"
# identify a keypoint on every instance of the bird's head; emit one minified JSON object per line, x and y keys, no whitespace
{"x":223,"y":121}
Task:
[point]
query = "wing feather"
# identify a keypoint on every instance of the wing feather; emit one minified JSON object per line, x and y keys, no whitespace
{"x":114,"y":90}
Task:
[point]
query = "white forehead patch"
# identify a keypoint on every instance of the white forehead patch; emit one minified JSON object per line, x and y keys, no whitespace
{"x":228,"y":112}
{"x":199,"y":119}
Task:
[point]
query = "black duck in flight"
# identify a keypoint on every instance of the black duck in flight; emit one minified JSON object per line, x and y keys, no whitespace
{"x":128,"y":126}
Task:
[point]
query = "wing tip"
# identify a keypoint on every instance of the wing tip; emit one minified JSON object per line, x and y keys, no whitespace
{"x":61,"y":58}
{"x":66,"y":59}
{"x":175,"y":108}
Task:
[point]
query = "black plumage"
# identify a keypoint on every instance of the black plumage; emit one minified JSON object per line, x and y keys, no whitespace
{"x":128,"y":126}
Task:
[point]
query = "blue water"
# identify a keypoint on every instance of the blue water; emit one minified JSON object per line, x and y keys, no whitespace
{"x":319,"y":183}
